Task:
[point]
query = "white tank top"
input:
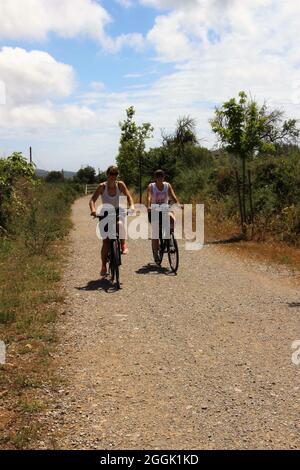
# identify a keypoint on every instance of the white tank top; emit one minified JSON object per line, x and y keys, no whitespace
{"x":160,"y":197}
{"x":112,"y":200}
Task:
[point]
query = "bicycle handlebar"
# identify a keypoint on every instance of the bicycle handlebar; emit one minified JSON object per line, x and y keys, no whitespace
{"x":164,"y":207}
{"x":129,"y":212}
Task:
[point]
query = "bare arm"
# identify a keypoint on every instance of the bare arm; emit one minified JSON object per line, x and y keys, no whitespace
{"x":172,"y":195}
{"x":149,"y":196}
{"x":94,"y":198}
{"x":126,"y":191}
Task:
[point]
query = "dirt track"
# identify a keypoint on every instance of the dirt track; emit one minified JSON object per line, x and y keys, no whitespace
{"x":200,"y":360}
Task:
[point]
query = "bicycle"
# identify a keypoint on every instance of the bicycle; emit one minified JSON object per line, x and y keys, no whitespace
{"x":114,"y":254}
{"x":166,"y":244}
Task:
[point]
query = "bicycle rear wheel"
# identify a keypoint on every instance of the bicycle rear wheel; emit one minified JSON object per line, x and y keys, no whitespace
{"x":173,"y":253}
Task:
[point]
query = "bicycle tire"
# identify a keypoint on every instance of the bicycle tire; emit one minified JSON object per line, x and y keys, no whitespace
{"x":116,"y":256}
{"x":111,"y":263}
{"x":173,"y":253}
{"x":157,"y":256}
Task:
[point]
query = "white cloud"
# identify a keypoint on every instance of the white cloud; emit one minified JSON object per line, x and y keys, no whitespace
{"x":76,"y":116}
{"x":220,"y":47}
{"x":35,"y":19}
{"x":134,"y":40}
{"x":170,"y":4}
{"x":36,"y":86}
{"x":31,"y":76}
{"x":67,"y":18}
{"x":31,"y":115}
{"x":266,"y":26}
{"x":217,"y":48}
{"x":169,"y":39}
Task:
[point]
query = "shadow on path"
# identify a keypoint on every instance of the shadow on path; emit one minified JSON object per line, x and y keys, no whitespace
{"x":294,"y":304}
{"x":227,"y":241}
{"x":153,"y":268}
{"x":103,"y":284}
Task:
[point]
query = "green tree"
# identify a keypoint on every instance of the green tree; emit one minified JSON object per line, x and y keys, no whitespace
{"x":55,"y":177}
{"x":184,"y":135}
{"x":179,"y":146}
{"x":132,"y":153}
{"x":15,"y":174}
{"x":101,"y":177}
{"x":246,"y":129}
{"x":86,"y":175}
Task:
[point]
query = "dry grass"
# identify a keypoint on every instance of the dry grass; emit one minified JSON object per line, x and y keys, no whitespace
{"x":269,"y":251}
{"x":30,"y":302}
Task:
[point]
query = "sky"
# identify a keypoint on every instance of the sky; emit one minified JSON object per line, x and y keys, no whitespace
{"x":70,"y":68}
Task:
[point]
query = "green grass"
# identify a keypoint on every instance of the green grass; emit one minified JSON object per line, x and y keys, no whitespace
{"x":31,"y":261}
{"x":7,"y":317}
{"x":32,"y":406}
{"x":286,"y":260}
{"x":24,"y":437}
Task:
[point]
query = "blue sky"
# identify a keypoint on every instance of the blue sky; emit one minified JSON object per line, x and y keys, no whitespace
{"x":70,"y":68}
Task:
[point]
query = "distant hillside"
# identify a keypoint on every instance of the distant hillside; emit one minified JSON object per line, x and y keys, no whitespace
{"x":44,"y":173}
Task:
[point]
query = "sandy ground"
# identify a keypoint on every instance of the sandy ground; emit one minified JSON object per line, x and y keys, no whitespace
{"x":201,"y":360}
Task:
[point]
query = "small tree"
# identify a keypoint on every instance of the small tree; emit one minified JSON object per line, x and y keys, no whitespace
{"x":177,"y":145}
{"x":132,"y":148}
{"x":55,"y":177}
{"x":15,"y":174}
{"x":86,"y":175}
{"x":245,"y":129}
{"x":101,"y":177}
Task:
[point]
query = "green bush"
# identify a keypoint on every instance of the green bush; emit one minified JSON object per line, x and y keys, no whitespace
{"x":45,"y":220}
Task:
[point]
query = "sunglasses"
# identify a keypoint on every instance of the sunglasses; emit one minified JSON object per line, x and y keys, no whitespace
{"x":113,"y":174}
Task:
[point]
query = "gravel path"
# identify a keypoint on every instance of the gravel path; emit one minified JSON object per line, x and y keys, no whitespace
{"x":197,"y":361}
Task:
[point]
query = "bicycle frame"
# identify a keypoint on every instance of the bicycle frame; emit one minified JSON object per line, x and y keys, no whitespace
{"x":114,"y":254}
{"x":167,"y":241}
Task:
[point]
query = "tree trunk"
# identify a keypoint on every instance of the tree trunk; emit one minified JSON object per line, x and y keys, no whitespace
{"x":244,"y":191}
{"x":140,"y":175}
{"x":250,"y":198}
{"x":238,"y":186}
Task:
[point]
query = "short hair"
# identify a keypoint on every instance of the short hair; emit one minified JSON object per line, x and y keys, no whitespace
{"x":112,"y":168}
{"x":159,"y":174}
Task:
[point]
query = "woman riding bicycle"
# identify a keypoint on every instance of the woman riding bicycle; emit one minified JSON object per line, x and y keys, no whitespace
{"x":110,"y":192}
{"x":160,"y":192}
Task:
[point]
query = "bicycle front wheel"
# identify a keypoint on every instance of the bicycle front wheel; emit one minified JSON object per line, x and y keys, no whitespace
{"x":115,"y":262}
{"x":173,"y":253}
{"x":158,"y":254}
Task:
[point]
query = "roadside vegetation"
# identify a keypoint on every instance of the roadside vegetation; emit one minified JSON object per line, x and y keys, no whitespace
{"x":34,"y":219}
{"x":250,"y":183}
{"x":250,"y":186}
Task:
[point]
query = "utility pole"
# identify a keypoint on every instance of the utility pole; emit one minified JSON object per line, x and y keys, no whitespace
{"x":140,"y":175}
{"x":30,"y":154}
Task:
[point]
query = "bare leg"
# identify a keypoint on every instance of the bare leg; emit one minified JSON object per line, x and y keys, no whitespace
{"x":122,"y":233}
{"x":155,"y":244}
{"x":172,"y":221}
